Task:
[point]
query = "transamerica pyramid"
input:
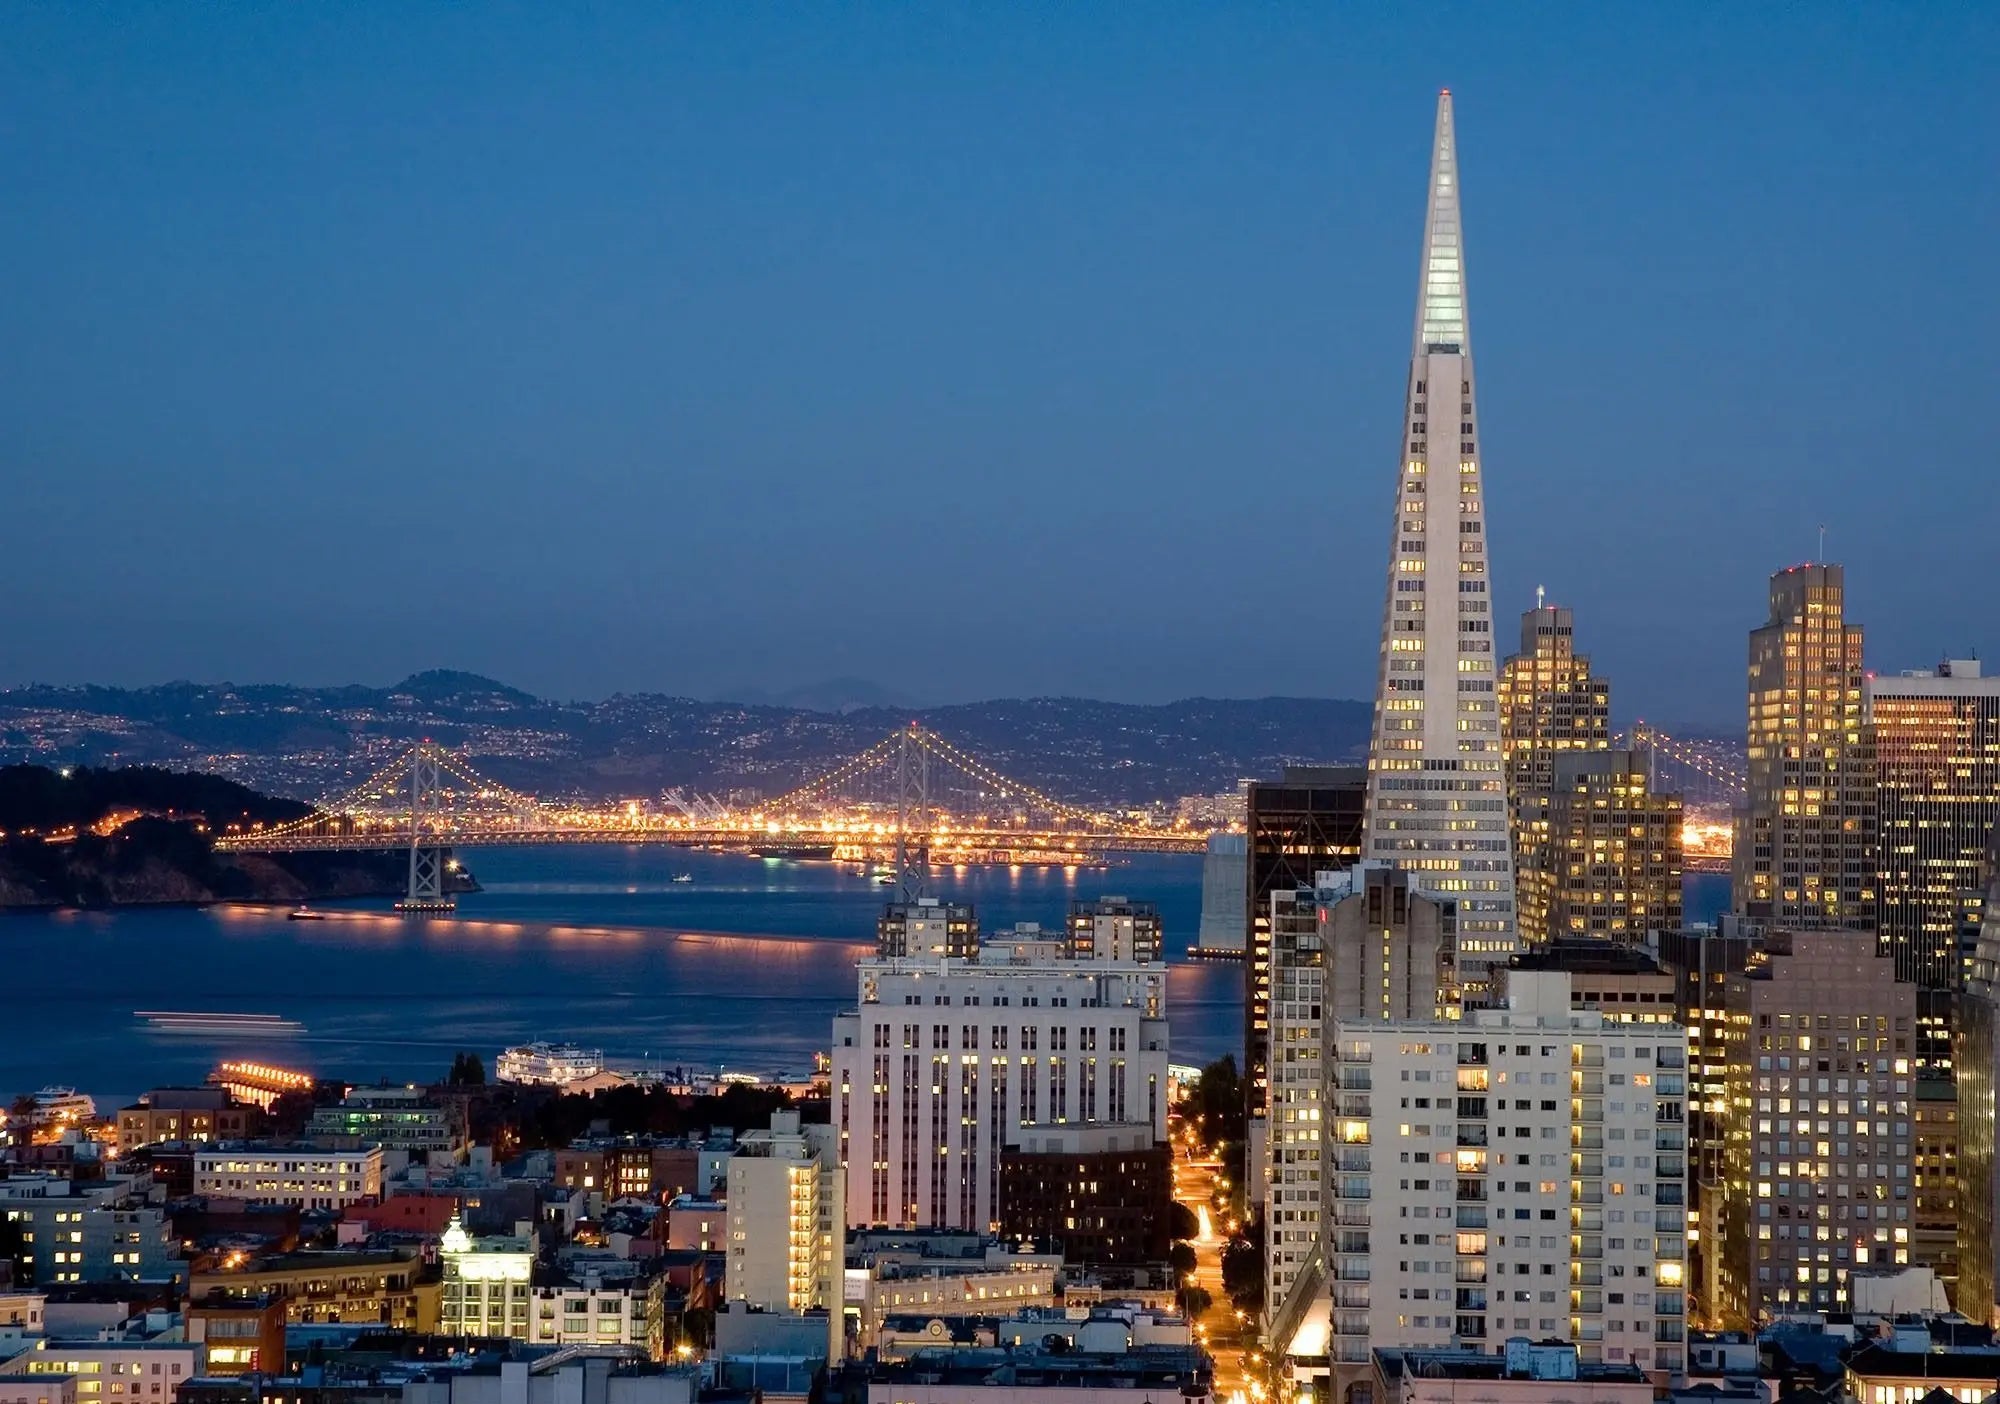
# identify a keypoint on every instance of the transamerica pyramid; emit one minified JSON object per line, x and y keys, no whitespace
{"x":1437,"y":801}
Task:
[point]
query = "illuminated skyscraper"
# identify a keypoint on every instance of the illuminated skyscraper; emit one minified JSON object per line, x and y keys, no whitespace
{"x":1805,"y":838}
{"x":1600,"y":852}
{"x":1937,"y":795}
{"x":1550,"y":705}
{"x":1549,"y":702}
{"x":1437,"y":797}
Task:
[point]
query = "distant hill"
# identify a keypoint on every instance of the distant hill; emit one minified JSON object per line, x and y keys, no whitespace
{"x":304,"y":742}
{"x":95,"y":838}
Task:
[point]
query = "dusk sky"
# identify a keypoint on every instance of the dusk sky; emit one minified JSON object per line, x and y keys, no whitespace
{"x":974,"y":351}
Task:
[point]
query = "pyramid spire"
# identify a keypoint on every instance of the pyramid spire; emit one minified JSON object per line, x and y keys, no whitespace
{"x":1437,"y":802}
{"x":1441,"y":320}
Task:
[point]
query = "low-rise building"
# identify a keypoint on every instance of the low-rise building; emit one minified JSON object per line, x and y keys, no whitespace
{"x":104,"y":1230}
{"x":1524,"y":1372}
{"x":405,"y":1119}
{"x":390,"y":1289}
{"x":594,"y":1309}
{"x":133,"y":1372}
{"x":181,"y":1114}
{"x":701,"y":1225}
{"x":311,"y":1177}
{"x":1034,"y":1376}
{"x":37,"y":1389}
{"x":643,"y":1167}
{"x":1878,"y":1373}
{"x":486,"y":1284}
{"x":237,"y":1335}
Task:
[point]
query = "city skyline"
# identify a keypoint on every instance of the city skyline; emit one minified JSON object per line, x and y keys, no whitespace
{"x":487,"y":379}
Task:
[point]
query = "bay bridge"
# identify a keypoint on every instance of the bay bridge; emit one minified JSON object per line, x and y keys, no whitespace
{"x":913,"y":795}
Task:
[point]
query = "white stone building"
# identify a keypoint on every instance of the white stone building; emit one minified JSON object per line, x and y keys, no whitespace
{"x":945,"y":1060}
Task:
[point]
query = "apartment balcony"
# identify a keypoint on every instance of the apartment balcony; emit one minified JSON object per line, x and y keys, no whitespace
{"x":1585,"y":1166}
{"x":1583,"y":1193}
{"x":1472,"y":1135}
{"x":1471,"y":1216}
{"x":1471,"y":1270}
{"x":1584,"y":1220}
{"x":1586,"y":1274}
{"x":1353,"y":1079}
{"x":1350,"y":1270}
{"x":1349,"y":1215}
{"x":1583,"y":1057}
{"x":1669,"y":1192}
{"x":1586,"y":1083}
{"x":1586,"y":1137}
{"x":1471,"y":1299}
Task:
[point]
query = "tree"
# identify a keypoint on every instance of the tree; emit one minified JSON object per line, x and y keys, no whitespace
{"x":1243,"y":1268}
{"x":1195,"y":1301}
{"x":1182,"y":1222}
{"x":1182,"y":1257}
{"x":467,"y":1070}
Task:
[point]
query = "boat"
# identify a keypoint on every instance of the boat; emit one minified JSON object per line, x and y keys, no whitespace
{"x":302,"y":913}
{"x":683,"y":877}
{"x":58,"y":1105}
{"x":211,"y":1023}
{"x":885,"y":879}
{"x":543,"y":1064}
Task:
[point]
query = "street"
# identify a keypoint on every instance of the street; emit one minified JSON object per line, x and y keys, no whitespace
{"x":1229,"y":1338}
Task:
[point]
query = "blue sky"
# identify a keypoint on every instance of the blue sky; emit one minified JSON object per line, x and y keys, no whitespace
{"x":976,"y":351}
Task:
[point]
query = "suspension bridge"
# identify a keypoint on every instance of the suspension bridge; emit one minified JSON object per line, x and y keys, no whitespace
{"x":913,"y":796}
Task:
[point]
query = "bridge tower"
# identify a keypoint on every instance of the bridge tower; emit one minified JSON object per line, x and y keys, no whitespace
{"x":426,"y":893}
{"x":915,"y":924}
{"x":913,"y":814}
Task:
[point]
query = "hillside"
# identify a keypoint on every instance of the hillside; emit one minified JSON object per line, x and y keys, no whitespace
{"x":306,"y":741}
{"x":97,"y":838}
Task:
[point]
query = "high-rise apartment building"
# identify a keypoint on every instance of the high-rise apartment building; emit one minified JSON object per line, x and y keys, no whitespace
{"x":1306,"y":823}
{"x":1437,"y":791}
{"x":947,"y":1062}
{"x":1366,"y":943}
{"x":1600,"y":851}
{"x":1115,"y":928}
{"x":1516,"y":1172}
{"x":1937,"y":795}
{"x":783,"y":1217}
{"x":927,"y":926}
{"x":1819,"y":1159}
{"x":1805,"y":837}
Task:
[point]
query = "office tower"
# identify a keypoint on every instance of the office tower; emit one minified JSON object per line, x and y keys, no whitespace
{"x":1549,"y":704}
{"x":1934,"y":1180}
{"x":1115,"y":928}
{"x":1516,"y":1172}
{"x":1937,"y":796}
{"x":1437,"y":790}
{"x":1225,"y":877}
{"x":948,"y":1062}
{"x":1816,"y":1184}
{"x":1599,"y":851}
{"x":1976,"y":1068}
{"x":1366,"y":943}
{"x":1701,"y":960}
{"x":783,"y":1217}
{"x":1805,"y":837}
{"x":1307,"y":823}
